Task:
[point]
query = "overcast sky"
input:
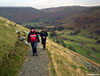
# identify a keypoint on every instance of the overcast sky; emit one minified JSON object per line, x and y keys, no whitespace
{"x":48,"y":3}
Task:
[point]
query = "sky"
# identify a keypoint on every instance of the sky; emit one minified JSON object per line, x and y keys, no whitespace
{"x":40,"y":4}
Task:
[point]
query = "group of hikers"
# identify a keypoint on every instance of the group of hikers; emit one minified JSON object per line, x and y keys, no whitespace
{"x":33,"y":38}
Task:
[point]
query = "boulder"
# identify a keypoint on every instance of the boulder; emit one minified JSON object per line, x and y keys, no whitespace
{"x":21,"y":38}
{"x":17,"y":32}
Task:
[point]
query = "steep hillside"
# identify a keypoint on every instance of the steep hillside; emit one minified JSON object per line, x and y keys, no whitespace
{"x":65,"y":62}
{"x":22,"y":14}
{"x":58,"y":13}
{"x":73,"y":14}
{"x":12,"y":51}
{"x":87,"y":19}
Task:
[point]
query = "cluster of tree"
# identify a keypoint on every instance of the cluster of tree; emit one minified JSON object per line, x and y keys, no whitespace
{"x":98,"y":41}
{"x":76,"y":32}
{"x":94,"y":49}
{"x":57,"y":39}
{"x":53,"y":34}
{"x":71,"y":48}
{"x":92,"y":36}
{"x":59,"y":28}
{"x":97,"y":32}
{"x":56,"y":27}
{"x":70,"y":28}
{"x":61,"y":42}
{"x":51,"y":29}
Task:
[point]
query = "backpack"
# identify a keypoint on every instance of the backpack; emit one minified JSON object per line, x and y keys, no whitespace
{"x":33,"y":38}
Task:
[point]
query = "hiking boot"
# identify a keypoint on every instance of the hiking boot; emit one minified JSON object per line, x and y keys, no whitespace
{"x":44,"y":48}
{"x":36,"y":54}
{"x":33,"y":54}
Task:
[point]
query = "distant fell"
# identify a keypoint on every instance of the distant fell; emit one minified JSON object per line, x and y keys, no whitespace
{"x":21,"y":14}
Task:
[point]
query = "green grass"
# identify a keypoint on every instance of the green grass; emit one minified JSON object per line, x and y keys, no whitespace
{"x":52,"y":69}
{"x":12,"y":51}
{"x":89,"y":53}
{"x":8,"y":39}
{"x":12,"y":62}
{"x":81,"y":44}
{"x":53,"y":73}
{"x":78,"y":38}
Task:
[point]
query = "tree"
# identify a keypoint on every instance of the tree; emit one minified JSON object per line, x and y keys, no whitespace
{"x":71,"y":48}
{"x":98,"y":41}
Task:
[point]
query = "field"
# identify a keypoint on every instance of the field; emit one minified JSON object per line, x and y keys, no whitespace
{"x":80,"y":44}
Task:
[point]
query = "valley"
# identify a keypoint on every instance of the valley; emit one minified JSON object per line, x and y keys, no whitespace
{"x":73,"y":44}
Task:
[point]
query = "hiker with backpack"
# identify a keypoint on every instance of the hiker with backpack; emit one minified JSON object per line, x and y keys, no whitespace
{"x":43,"y":35}
{"x":33,"y":38}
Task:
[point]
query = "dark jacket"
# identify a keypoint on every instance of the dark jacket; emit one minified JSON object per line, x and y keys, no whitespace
{"x":43,"y":33}
{"x":37,"y":37}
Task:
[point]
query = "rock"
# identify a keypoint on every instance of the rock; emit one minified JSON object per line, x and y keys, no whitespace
{"x":21,"y":38}
{"x":17,"y":32}
{"x":25,"y":32}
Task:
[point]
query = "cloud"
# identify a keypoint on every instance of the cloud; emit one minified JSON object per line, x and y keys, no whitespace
{"x":48,"y":3}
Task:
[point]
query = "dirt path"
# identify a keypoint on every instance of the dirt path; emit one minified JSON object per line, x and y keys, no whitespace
{"x":36,"y":65}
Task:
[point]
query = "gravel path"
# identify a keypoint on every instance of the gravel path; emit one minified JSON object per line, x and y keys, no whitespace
{"x":36,"y":65}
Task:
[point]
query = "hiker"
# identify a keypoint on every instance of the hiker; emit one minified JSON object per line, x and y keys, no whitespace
{"x":33,"y":38}
{"x":37,"y":32}
{"x":43,"y":35}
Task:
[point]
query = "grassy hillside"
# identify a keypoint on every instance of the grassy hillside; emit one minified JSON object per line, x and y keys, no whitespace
{"x":67,"y":63}
{"x":12,"y":51}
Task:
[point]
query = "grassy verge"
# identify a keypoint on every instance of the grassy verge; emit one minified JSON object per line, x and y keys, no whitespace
{"x":52,"y":69}
{"x":63,"y":62}
{"x":12,"y":51}
{"x":12,"y":62}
